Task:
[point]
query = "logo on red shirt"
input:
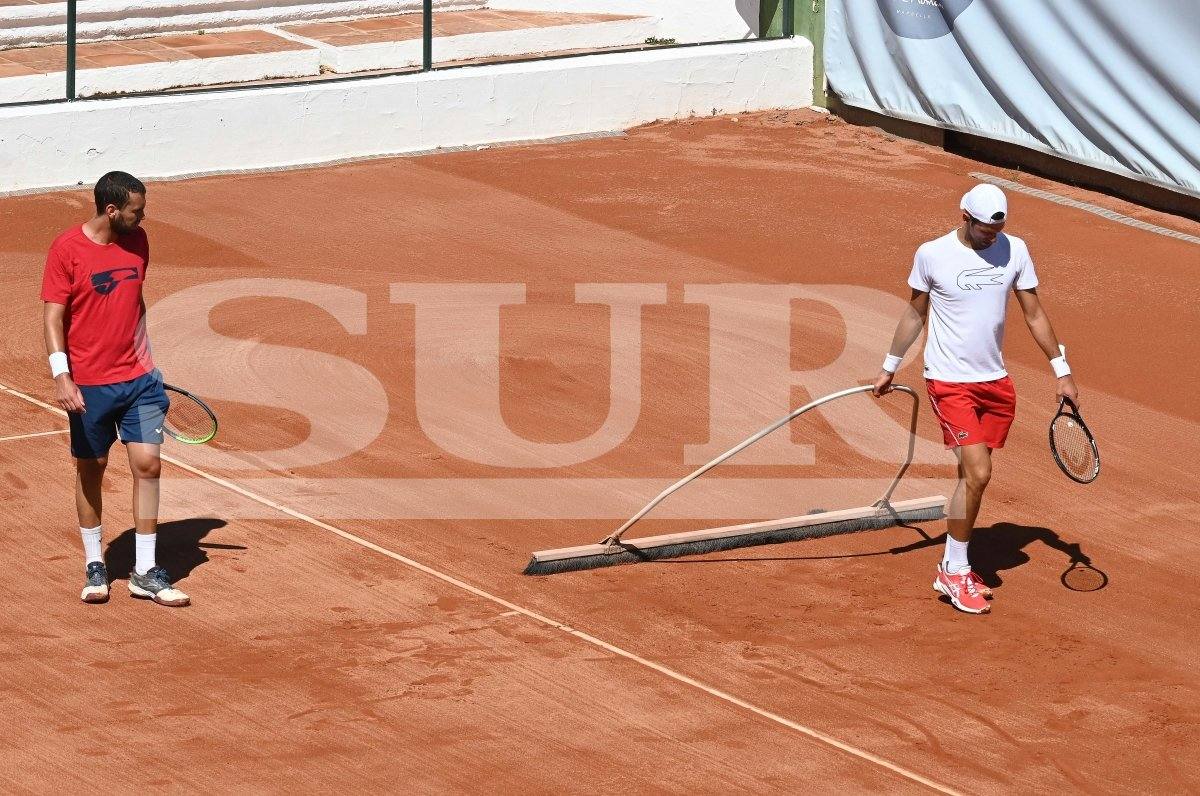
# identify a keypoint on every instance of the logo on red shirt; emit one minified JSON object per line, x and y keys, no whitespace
{"x":106,"y":282}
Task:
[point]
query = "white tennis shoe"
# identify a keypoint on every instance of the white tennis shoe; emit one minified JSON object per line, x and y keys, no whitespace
{"x":156,"y":585}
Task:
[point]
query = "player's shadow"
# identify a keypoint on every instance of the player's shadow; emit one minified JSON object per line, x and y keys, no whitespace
{"x":1001,"y":547}
{"x":995,"y":549}
{"x":180,"y":547}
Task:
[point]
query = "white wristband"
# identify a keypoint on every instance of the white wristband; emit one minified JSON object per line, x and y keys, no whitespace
{"x":1059,"y":363}
{"x":58,"y":364}
{"x":891,"y":363}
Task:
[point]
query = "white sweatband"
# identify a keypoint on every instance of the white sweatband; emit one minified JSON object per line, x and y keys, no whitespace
{"x":58,"y":364}
{"x":1059,"y":363}
{"x":891,"y":363}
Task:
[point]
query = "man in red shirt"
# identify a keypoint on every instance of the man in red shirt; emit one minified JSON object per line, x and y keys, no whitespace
{"x":95,"y":325}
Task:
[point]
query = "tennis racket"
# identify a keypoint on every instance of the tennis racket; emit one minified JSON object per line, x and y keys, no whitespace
{"x":1072,"y":444}
{"x":189,"y":420}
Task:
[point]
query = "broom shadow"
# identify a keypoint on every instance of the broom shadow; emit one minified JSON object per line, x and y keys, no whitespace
{"x":179,"y":549}
{"x":994,"y":549}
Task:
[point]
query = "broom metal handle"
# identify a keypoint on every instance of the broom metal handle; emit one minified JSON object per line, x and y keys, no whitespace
{"x":883,"y":502}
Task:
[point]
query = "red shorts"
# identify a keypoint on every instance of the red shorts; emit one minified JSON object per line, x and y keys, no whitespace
{"x":973,"y":412}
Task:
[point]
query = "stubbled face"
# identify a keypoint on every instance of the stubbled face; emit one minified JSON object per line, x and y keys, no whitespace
{"x":979,"y":234}
{"x":126,"y":219}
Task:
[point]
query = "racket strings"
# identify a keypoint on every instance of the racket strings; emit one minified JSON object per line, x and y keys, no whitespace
{"x":1074,"y":448}
{"x":189,"y":420}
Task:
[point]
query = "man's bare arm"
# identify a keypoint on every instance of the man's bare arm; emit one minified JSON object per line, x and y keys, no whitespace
{"x":908,"y":329}
{"x":1043,"y":334}
{"x":910,"y":325}
{"x":68,"y":394}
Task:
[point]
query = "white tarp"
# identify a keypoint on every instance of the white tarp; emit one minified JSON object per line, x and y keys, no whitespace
{"x":1109,"y":83}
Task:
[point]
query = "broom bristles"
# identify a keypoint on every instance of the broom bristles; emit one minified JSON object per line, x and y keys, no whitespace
{"x":630,"y":553}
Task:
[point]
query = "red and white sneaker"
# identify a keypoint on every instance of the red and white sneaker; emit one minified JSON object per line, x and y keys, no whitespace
{"x":980,"y":586}
{"x":962,"y":591}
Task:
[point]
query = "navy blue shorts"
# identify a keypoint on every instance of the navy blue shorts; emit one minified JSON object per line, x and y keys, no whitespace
{"x":135,"y":407}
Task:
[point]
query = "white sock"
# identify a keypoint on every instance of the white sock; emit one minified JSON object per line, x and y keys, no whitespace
{"x":955,"y":559}
{"x":91,"y":543}
{"x":143,"y":545}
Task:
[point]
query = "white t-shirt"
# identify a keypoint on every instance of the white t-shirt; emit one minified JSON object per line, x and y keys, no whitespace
{"x":968,"y":294}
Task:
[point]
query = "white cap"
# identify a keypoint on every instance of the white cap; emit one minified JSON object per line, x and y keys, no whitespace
{"x":986,"y":203}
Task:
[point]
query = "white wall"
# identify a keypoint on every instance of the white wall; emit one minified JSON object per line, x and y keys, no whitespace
{"x":464,"y":46}
{"x":683,"y":20}
{"x":174,"y":135}
{"x":160,"y":75}
{"x":45,"y":23}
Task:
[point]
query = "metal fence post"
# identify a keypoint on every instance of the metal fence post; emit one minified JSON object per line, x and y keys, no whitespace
{"x":71,"y":49}
{"x":789,"y":18}
{"x":426,"y":35}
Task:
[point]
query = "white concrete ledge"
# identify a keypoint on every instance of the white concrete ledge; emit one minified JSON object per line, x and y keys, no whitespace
{"x":45,"y":23}
{"x":682,"y":20}
{"x":261,"y":128}
{"x":524,"y":41}
{"x":159,"y":76}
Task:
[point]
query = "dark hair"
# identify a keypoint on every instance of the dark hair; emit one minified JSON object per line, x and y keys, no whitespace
{"x":114,"y":189}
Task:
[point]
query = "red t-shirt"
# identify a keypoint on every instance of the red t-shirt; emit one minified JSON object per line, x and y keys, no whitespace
{"x":101,"y":287}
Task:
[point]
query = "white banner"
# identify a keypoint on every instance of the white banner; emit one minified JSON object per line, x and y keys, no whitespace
{"x":1106,"y":83}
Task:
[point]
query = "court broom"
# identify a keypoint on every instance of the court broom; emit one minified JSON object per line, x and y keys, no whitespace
{"x":613,"y":549}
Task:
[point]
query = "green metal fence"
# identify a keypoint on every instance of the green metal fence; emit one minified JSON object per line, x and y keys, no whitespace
{"x":442,"y":47}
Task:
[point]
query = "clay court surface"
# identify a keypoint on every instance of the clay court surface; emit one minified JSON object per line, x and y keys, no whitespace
{"x":309,"y":659}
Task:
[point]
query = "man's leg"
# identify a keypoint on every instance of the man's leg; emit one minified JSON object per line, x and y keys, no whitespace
{"x":141,"y":428}
{"x":89,"y":488}
{"x":92,"y":434}
{"x":89,"y":482}
{"x":974,"y":472}
{"x":148,"y":579}
{"x":955,"y":578}
{"x":146,"y":466}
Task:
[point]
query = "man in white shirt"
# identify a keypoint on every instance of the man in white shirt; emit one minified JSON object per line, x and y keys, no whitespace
{"x":964,"y":278}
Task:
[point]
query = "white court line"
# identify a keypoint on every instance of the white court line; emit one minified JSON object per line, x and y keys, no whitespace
{"x":38,"y":434}
{"x":817,"y":735}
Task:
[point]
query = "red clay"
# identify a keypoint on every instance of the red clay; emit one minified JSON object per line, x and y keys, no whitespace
{"x":307,"y":656}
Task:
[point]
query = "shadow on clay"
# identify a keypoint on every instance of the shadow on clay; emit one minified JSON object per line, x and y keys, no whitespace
{"x":994,"y":549}
{"x":180,"y":547}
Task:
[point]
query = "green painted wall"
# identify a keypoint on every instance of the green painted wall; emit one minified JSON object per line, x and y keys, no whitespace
{"x":809,"y":21}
